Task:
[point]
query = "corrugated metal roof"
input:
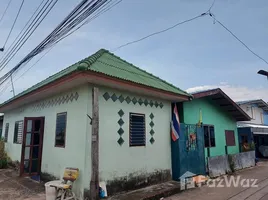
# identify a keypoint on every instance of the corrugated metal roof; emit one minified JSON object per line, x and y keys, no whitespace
{"x":224,"y":101}
{"x":259,"y":102}
{"x":111,"y":65}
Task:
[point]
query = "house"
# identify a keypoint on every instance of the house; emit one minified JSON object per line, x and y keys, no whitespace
{"x":219,"y":114}
{"x":256,"y":129}
{"x":47,"y":128}
{"x":208,"y":129}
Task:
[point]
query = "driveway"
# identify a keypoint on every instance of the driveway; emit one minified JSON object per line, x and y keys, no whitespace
{"x":13,"y":187}
{"x":239,"y":192}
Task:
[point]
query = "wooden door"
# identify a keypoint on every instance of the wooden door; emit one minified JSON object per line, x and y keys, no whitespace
{"x":32,"y":146}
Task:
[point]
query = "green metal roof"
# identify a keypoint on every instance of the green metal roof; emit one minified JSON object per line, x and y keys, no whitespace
{"x":111,"y":65}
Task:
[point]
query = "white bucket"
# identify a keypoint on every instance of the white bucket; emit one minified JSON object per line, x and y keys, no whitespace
{"x":51,"y":193}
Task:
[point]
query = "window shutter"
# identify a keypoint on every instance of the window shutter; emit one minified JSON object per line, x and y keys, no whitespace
{"x":18,"y":130}
{"x":6,"y":132}
{"x":136,"y":129}
{"x":230,"y":138}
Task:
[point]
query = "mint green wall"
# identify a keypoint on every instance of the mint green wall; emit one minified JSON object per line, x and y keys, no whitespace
{"x":214,"y":115}
{"x":56,"y":159}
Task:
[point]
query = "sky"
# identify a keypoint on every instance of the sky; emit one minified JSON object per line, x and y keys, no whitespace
{"x":194,"y":56}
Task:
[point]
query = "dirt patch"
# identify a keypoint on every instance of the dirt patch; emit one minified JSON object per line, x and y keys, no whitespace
{"x":13,"y":187}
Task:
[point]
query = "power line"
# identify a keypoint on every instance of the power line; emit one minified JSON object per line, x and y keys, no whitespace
{"x":4,"y":13}
{"x":80,"y":13}
{"x":213,"y":16}
{"x":22,"y":2}
{"x":38,"y":18}
{"x":102,"y":11}
{"x":159,"y":32}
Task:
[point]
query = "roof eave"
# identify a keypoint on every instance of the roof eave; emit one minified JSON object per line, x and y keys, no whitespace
{"x":242,"y":117}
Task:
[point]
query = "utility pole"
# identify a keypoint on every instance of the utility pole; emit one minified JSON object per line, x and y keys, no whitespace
{"x":13,"y":90}
{"x":94,"y":183}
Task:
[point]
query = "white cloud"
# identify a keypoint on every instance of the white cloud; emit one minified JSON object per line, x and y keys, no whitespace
{"x":237,"y":93}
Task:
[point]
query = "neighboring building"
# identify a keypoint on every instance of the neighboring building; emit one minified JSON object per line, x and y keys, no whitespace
{"x":50,"y":121}
{"x":218,"y":115}
{"x":256,"y":129}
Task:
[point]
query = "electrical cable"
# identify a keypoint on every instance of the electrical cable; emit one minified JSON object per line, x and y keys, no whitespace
{"x":22,"y":2}
{"x":213,"y":16}
{"x":159,"y":32}
{"x":4,"y":13}
{"x":22,"y":40}
{"x":84,"y":8}
{"x":102,"y":11}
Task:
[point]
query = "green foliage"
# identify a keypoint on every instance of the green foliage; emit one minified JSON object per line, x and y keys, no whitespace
{"x":3,"y":155}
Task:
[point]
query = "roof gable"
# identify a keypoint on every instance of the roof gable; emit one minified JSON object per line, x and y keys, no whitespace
{"x":106,"y":63}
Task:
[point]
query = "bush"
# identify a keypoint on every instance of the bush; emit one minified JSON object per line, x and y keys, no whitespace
{"x":3,"y":155}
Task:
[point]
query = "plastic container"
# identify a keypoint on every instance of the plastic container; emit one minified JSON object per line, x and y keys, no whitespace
{"x":51,"y":192}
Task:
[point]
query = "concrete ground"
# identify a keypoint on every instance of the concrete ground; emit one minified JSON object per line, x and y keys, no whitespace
{"x":260,"y":192}
{"x":13,"y":187}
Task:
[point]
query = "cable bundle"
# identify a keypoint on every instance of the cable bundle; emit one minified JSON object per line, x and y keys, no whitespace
{"x":71,"y":23}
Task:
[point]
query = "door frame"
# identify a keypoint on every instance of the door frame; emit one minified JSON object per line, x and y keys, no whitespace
{"x":24,"y":144}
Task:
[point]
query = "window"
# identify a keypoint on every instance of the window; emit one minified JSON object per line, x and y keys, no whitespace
{"x":209,"y":136}
{"x":6,"y":132}
{"x":136,"y":129}
{"x":230,"y":138}
{"x":18,"y":129}
{"x":60,"y":130}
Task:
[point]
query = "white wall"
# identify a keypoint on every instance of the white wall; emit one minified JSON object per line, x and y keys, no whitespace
{"x":254,"y":112}
{"x":55,"y":159}
{"x":124,"y":161}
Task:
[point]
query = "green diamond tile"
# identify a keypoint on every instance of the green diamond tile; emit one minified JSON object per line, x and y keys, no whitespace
{"x":134,"y":100}
{"x":140,"y":101}
{"x":106,"y":96}
{"x":161,"y":105}
{"x":121,"y":99}
{"x":156,"y":104}
{"x":120,"y":131}
{"x":121,"y":113}
{"x":151,"y":115}
{"x":152,"y":132}
{"x":128,"y":100}
{"x":120,"y":141}
{"x":151,"y":123}
{"x":114,"y":97}
{"x":120,"y":122}
{"x":151,"y":103}
{"x":152,"y":140}
{"x":146,"y":102}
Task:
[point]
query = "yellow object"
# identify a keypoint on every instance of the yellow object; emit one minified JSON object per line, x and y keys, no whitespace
{"x":64,"y":188}
{"x":200,"y":118}
{"x":70,"y":174}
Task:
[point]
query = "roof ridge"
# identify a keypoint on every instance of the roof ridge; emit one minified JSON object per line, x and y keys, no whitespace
{"x":92,"y":58}
{"x":145,"y":71}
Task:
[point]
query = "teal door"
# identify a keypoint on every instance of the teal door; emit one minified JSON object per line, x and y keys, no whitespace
{"x":188,"y":151}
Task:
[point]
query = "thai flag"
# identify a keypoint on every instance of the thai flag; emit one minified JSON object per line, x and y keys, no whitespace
{"x":175,"y":124}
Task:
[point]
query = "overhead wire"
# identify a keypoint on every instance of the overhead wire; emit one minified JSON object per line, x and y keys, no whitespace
{"x":4,"y":13}
{"x":237,"y":38}
{"x":12,"y":27}
{"x":85,"y":8}
{"x":102,"y":11}
{"x":159,"y":32}
{"x":28,"y":32}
